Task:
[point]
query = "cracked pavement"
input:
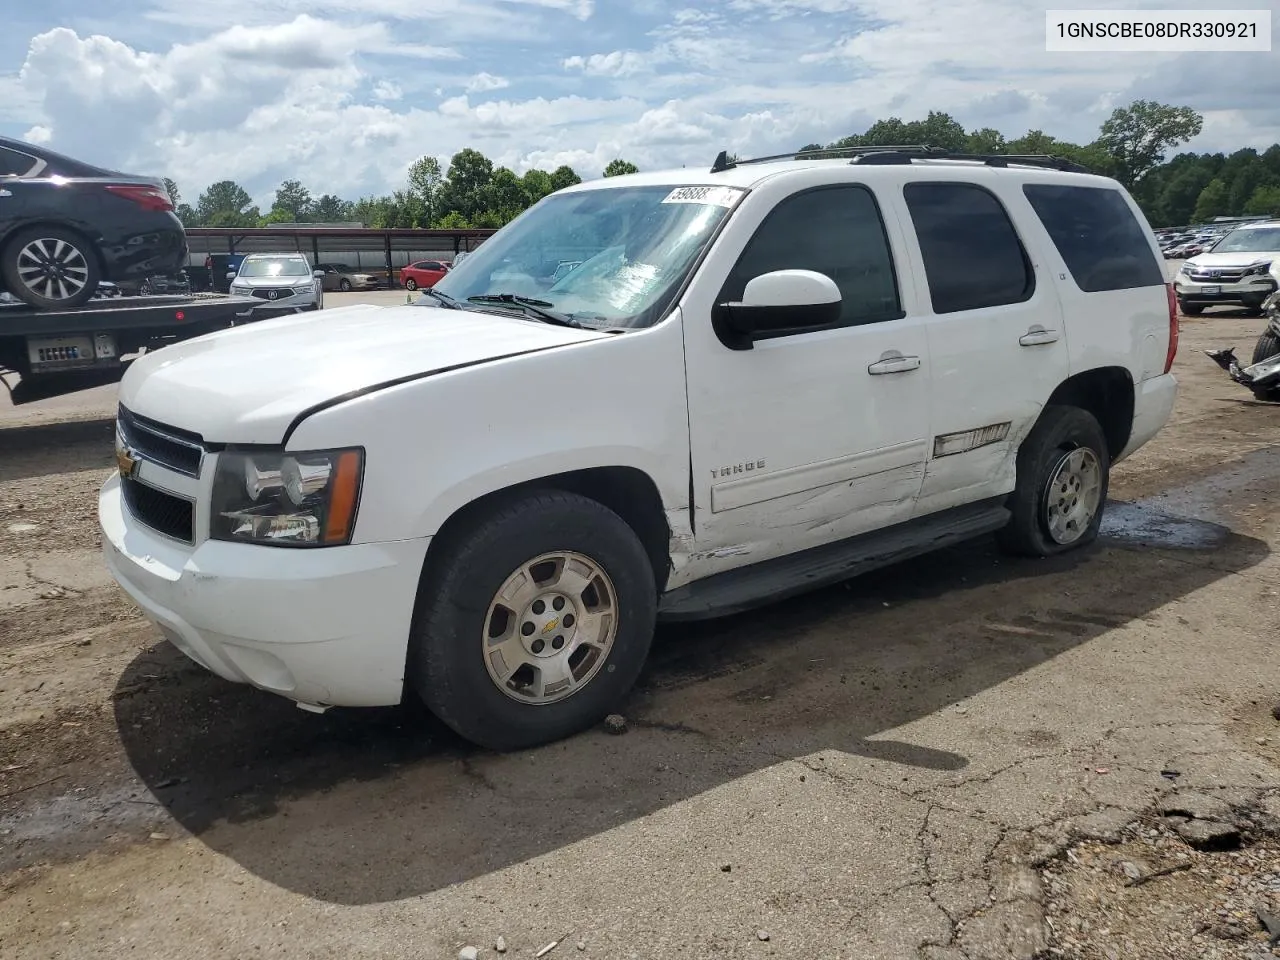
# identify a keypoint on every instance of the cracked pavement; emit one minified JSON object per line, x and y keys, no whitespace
{"x":892,"y":768}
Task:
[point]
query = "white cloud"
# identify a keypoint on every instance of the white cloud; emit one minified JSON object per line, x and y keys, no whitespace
{"x":344,"y":94}
{"x":483,"y":82}
{"x":619,"y":63}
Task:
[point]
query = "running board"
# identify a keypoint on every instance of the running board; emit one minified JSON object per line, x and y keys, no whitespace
{"x":772,"y":580}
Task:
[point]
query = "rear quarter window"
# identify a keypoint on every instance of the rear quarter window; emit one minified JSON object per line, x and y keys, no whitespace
{"x":1100,"y":240}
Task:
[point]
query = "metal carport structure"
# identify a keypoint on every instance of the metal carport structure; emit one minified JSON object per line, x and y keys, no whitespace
{"x":369,"y":249}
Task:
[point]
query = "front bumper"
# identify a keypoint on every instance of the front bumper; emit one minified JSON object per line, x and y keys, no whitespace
{"x":326,"y":626}
{"x":1251,"y":291}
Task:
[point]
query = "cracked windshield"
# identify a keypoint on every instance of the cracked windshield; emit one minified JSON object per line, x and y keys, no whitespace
{"x":724,"y":480}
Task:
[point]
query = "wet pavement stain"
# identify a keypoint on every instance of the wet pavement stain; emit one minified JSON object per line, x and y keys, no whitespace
{"x":1194,"y":516}
{"x":1141,"y":524}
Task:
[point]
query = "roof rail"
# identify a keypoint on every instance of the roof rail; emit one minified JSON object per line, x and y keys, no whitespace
{"x":905,"y":154}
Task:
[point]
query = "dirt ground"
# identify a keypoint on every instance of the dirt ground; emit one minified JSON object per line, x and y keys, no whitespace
{"x":963,"y":757}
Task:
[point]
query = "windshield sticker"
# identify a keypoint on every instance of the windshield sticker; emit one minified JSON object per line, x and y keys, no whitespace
{"x":714,"y":196}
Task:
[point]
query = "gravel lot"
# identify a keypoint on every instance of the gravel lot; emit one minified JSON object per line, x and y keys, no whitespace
{"x":963,"y":757}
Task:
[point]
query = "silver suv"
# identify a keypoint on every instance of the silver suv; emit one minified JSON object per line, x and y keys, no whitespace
{"x":284,"y":282}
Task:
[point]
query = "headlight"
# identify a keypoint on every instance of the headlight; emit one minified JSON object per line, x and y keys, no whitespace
{"x":307,"y":288}
{"x":1258,"y":269}
{"x":236,"y":289}
{"x":287,"y":499}
{"x":1187,"y":269}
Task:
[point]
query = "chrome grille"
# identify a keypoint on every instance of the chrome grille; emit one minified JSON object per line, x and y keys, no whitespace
{"x":273,"y":293}
{"x":1217,"y":275}
{"x":178,"y":450}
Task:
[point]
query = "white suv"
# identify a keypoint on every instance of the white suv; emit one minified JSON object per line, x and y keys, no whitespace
{"x":1243,"y":268}
{"x":759,"y":380}
{"x":283,"y":282}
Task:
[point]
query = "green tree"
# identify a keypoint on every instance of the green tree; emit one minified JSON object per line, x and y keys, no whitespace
{"x":985,"y":141}
{"x":620,"y":167}
{"x":465,"y":184}
{"x":1212,"y":202}
{"x":226,"y":204}
{"x":292,"y":203}
{"x":172,"y":189}
{"x":331,"y":209}
{"x":564,"y":176}
{"x":187,"y":214}
{"x":425,"y":180}
{"x":453,"y":220}
{"x":1137,"y":136}
{"x":505,"y":196}
{"x":1176,"y":203}
{"x":1264,"y":202}
{"x":537,"y":184}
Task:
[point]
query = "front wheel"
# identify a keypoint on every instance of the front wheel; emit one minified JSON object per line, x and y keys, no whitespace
{"x":1064,"y":469}
{"x":411,"y":284}
{"x":50,"y":268}
{"x":533,"y":622}
{"x":1191,"y":309}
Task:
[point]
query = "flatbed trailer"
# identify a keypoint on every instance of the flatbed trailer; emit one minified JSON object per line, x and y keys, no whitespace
{"x":61,"y":351}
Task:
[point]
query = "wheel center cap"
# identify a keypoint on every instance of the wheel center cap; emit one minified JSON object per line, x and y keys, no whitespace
{"x":547,"y":625}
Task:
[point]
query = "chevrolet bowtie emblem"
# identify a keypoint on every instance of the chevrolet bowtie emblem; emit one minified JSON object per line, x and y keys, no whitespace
{"x":126,"y":462}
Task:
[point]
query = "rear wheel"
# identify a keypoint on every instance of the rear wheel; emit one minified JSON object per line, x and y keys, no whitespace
{"x":411,"y":284}
{"x":533,"y":622}
{"x":1063,"y":473}
{"x":50,"y":268}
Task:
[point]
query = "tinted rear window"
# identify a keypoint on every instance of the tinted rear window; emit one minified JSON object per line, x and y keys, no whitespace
{"x":13,"y":163}
{"x":973,"y":258}
{"x":1099,"y":238}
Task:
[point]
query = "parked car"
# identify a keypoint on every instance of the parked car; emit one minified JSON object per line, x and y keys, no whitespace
{"x":424,"y":274}
{"x":284,"y":282}
{"x":766,"y":378}
{"x":1242,"y":269}
{"x":66,"y":226}
{"x":341,"y":276}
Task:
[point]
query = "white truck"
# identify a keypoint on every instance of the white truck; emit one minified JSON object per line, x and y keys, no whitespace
{"x":761,"y":379}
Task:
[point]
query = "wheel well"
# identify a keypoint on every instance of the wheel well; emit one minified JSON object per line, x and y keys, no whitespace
{"x":628,"y":492}
{"x":1107,"y":393}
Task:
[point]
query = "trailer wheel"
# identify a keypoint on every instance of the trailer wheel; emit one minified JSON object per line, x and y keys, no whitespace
{"x":50,"y":268}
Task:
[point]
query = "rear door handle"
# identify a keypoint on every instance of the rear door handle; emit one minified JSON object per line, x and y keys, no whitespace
{"x":1038,"y":335}
{"x":893,"y":363}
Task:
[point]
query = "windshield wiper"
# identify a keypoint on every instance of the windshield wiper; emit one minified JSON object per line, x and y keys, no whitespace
{"x":537,"y":308}
{"x":442,"y":298}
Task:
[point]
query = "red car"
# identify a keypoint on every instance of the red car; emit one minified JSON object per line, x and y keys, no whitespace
{"x":424,"y":273}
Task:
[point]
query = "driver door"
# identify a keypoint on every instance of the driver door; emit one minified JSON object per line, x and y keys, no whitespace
{"x":806,"y":438}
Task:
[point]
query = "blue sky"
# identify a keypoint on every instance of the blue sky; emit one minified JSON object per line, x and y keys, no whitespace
{"x":344,"y":94}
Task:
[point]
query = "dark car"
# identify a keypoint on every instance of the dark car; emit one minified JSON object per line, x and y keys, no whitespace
{"x":66,"y":226}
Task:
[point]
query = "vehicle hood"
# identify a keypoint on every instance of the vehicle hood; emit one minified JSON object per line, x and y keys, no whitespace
{"x":1211,"y":260}
{"x":248,"y":384}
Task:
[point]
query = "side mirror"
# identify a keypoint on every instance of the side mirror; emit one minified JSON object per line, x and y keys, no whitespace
{"x":231,"y":274}
{"x":317,"y":273}
{"x":779,"y":303}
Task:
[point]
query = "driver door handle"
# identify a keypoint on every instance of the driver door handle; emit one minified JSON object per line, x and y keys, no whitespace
{"x":1038,"y":335}
{"x":895,"y":363}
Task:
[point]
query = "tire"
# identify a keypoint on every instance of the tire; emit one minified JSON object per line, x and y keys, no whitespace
{"x":1060,"y":432}
{"x":411,"y":284}
{"x":1268,"y":346}
{"x":453,"y":621}
{"x":1191,"y":309}
{"x":28,"y":249}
